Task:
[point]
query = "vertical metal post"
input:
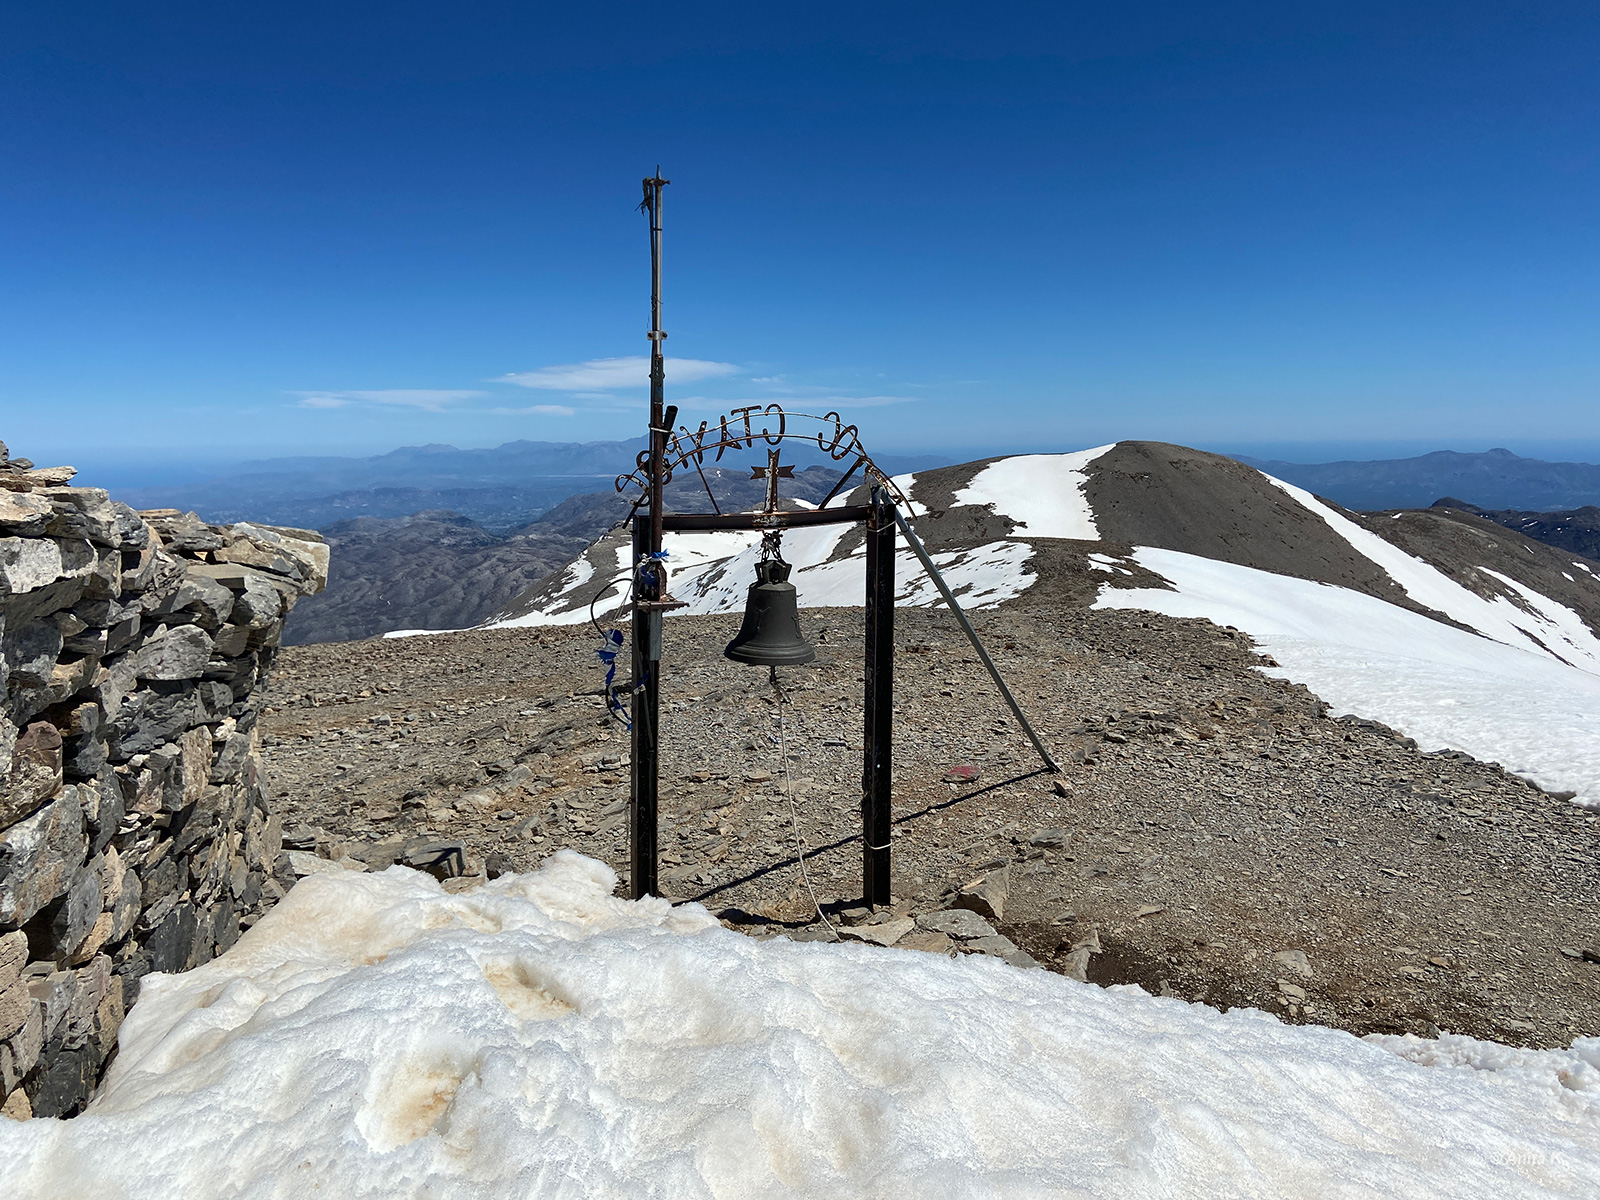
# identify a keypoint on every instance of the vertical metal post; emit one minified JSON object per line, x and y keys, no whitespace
{"x":658,"y":336}
{"x":645,"y":709}
{"x":877,"y":769}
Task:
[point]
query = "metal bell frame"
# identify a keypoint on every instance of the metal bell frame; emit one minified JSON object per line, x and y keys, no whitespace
{"x":650,"y":600}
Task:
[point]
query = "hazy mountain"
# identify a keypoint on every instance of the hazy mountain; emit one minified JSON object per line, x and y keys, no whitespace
{"x":1496,"y":479}
{"x":501,"y":488}
{"x":443,"y":570}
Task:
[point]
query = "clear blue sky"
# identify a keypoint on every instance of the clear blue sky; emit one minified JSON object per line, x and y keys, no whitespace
{"x":240,"y":230}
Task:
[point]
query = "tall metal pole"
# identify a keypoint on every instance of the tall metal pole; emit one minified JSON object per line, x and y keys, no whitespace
{"x":648,"y":593}
{"x":658,"y":371}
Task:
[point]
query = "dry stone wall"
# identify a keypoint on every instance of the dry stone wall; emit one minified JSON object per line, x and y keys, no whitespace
{"x":135,"y":832}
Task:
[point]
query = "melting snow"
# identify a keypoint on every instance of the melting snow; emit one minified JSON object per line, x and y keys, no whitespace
{"x":712,"y":572}
{"x":1499,"y":618}
{"x":374,"y":1036}
{"x":1441,"y":685}
{"x":1043,"y":493}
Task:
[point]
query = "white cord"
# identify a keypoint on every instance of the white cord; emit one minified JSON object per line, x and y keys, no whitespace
{"x":794,"y":816}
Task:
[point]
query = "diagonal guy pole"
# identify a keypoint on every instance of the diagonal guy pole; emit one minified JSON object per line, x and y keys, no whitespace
{"x":972,"y":636}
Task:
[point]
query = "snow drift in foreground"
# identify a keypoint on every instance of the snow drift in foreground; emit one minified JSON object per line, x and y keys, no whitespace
{"x":375,"y":1036}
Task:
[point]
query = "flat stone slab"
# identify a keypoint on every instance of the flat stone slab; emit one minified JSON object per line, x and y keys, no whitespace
{"x":960,"y":923}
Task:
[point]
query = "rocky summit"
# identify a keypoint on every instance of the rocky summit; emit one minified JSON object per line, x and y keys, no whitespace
{"x":1261,"y":803}
{"x":1334,"y":765}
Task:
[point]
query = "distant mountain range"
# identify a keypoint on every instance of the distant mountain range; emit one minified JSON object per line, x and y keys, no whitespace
{"x":1494,"y":479}
{"x":434,"y":536}
{"x":442,"y":570}
{"x":500,"y":489}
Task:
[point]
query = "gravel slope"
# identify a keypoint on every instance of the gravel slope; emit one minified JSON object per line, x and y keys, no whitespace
{"x":1214,"y":821}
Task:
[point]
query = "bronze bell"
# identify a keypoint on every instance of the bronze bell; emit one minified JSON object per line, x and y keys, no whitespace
{"x":770,"y":635}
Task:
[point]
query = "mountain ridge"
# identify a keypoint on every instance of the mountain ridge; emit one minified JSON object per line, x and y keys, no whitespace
{"x":1450,"y":627}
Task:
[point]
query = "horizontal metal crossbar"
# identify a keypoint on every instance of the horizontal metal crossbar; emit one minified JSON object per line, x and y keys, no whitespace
{"x":699,"y":522}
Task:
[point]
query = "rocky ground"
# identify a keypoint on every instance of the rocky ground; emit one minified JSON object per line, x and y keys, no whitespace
{"x":1215,"y":835}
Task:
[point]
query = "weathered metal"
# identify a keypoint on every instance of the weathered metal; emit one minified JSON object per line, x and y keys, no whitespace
{"x":877,"y":767}
{"x":660,"y":427}
{"x":646,"y":710}
{"x":699,"y":522}
{"x":770,"y":633}
{"x":648,"y":594}
{"x":736,"y":430}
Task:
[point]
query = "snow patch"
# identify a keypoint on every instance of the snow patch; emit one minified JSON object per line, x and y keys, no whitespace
{"x":1043,"y":493}
{"x":1104,"y":562}
{"x":374,"y":1036}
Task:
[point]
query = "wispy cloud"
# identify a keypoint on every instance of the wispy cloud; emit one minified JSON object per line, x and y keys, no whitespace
{"x":541,"y":410}
{"x":427,"y":399}
{"x":614,"y":374}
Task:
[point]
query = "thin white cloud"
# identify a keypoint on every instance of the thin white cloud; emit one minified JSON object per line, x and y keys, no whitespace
{"x":427,"y":399}
{"x":615,"y":374}
{"x":541,"y":410}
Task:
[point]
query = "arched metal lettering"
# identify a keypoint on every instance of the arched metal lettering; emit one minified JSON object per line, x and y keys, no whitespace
{"x":736,"y":430}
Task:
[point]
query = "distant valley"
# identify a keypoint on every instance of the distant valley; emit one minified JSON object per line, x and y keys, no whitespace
{"x":1577,"y":531}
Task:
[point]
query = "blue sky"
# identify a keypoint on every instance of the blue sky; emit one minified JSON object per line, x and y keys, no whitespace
{"x":234,"y":231}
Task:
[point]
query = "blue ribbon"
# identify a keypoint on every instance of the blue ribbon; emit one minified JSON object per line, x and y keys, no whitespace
{"x":611,"y":644}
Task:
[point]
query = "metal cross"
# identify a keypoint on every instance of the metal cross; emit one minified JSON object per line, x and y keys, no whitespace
{"x":772,"y":472}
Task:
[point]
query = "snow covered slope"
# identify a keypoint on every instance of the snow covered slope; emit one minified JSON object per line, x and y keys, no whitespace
{"x":374,"y":1036}
{"x":1445,"y":687}
{"x":1455,"y":631}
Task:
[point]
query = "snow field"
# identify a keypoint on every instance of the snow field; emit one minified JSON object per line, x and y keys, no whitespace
{"x":1550,"y":628}
{"x":376,"y":1036}
{"x":1443,"y":686}
{"x":1043,"y":493}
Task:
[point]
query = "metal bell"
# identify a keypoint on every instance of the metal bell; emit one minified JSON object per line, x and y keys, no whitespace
{"x":770,"y":635}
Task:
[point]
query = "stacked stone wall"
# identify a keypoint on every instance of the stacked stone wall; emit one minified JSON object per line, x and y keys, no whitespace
{"x":135,"y":834}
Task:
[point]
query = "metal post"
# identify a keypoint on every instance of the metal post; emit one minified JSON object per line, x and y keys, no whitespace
{"x":877,"y":770}
{"x":645,"y":709}
{"x":658,"y":434}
